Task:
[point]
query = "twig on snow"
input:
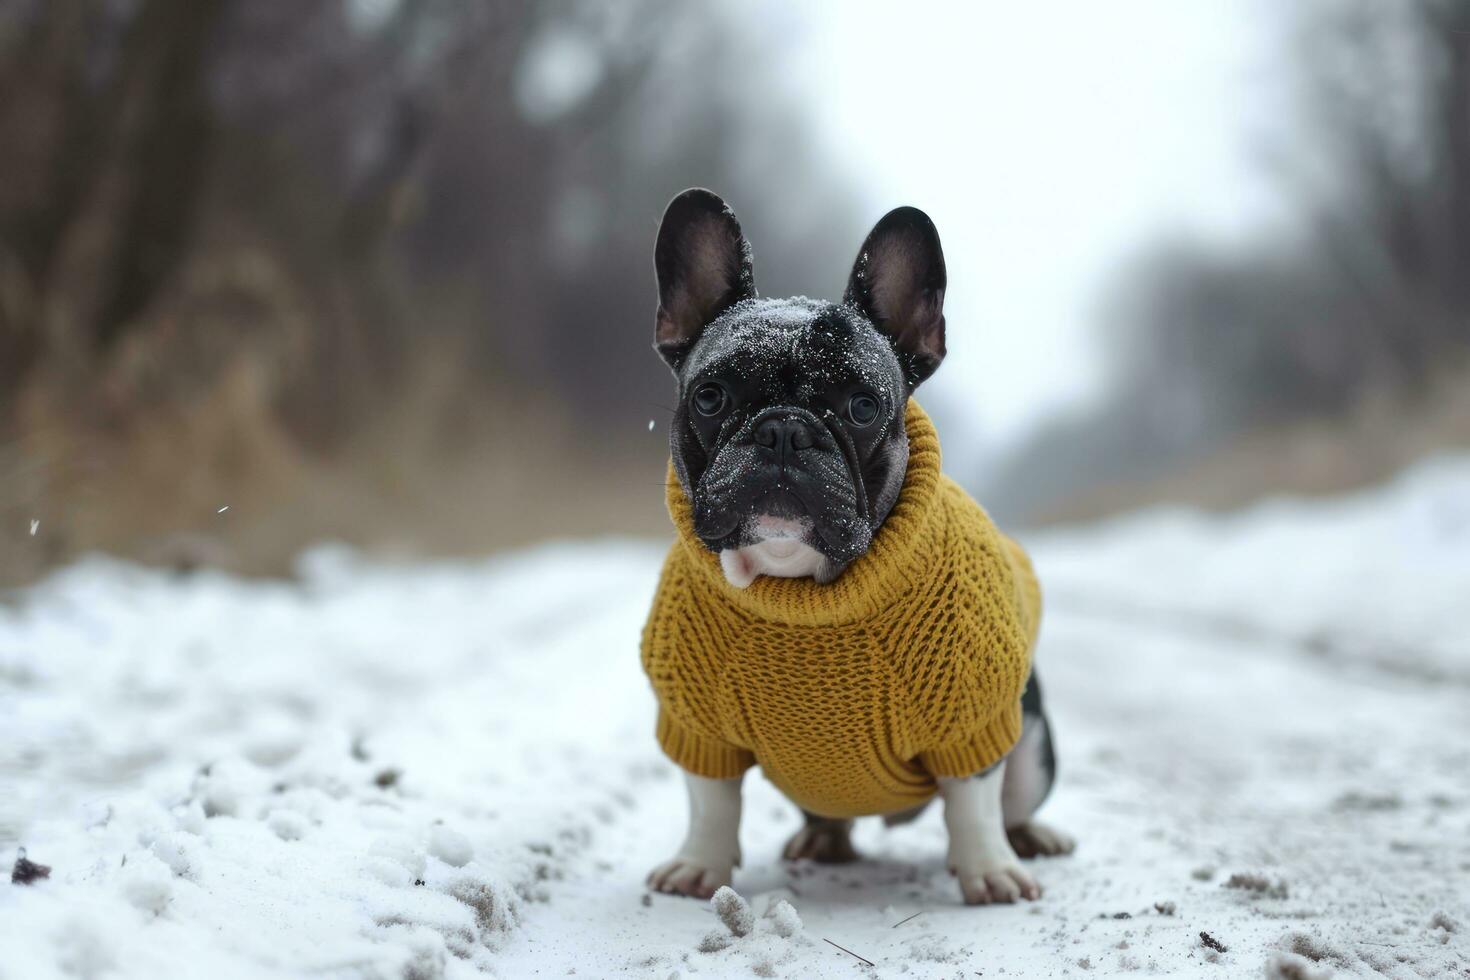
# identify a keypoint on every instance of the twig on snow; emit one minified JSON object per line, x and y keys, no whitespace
{"x":849,"y":952}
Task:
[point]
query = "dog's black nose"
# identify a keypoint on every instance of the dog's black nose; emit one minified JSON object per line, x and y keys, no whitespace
{"x":784,"y":436}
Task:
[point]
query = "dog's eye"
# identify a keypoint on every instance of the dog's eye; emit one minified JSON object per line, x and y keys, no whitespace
{"x":709,"y":399}
{"x":862,"y":409}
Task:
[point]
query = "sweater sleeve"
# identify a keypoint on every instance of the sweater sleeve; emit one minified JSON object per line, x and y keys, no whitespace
{"x":701,"y":754}
{"x":979,"y":750}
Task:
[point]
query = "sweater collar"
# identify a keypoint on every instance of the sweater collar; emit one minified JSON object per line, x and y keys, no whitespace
{"x":870,"y":584}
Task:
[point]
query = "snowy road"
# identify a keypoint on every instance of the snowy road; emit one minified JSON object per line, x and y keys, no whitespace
{"x":448,"y":770}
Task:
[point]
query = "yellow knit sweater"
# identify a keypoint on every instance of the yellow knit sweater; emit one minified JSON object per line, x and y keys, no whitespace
{"x":852,"y":696}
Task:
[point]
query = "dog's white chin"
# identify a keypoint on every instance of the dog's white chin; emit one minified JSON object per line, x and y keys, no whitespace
{"x":779,"y":551}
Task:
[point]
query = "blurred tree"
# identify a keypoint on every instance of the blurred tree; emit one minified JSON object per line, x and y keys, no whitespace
{"x":237,"y":233}
{"x":1388,"y":89}
{"x":1367,"y":296}
{"x":1374,"y":292}
{"x":106,"y":137}
{"x":379,"y":173}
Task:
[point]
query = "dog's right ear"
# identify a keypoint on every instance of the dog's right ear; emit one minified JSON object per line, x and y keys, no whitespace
{"x":704,"y":267}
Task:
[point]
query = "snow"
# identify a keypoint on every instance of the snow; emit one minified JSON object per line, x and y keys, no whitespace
{"x":733,"y":911}
{"x":785,"y":922}
{"x":448,"y":770}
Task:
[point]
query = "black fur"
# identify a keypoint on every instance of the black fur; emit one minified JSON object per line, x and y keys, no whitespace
{"x":1033,"y":713}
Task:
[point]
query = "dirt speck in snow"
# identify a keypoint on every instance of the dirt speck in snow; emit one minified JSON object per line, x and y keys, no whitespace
{"x":1355,"y":802}
{"x":1316,"y":950}
{"x":1207,"y":940}
{"x":1442,"y":920}
{"x":1259,"y":884}
{"x":27,"y":872}
{"x":1289,"y":966}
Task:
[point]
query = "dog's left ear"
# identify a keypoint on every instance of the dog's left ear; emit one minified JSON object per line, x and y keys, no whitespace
{"x":898,"y":282}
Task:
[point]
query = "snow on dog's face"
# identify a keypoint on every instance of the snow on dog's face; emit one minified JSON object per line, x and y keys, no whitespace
{"x":790,"y":419}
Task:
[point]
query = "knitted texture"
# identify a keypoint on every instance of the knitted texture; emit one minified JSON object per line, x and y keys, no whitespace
{"x":852,"y":696}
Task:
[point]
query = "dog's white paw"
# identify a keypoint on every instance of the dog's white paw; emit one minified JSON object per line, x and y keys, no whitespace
{"x":690,"y":876}
{"x":979,"y":854}
{"x":999,"y":883}
{"x":997,"y":880}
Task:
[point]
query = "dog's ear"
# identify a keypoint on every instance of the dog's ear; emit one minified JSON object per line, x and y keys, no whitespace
{"x":898,"y":282}
{"x":703,"y":266}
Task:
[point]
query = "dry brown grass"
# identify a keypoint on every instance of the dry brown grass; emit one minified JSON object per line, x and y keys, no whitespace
{"x":431,"y":473}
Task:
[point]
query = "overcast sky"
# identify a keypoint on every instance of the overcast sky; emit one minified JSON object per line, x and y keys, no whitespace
{"x":1048,"y":141}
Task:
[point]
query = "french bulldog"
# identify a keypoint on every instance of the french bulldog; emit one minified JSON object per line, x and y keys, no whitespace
{"x":820,"y":389}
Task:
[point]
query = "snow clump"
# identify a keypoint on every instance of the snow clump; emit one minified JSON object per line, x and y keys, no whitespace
{"x":733,"y":911}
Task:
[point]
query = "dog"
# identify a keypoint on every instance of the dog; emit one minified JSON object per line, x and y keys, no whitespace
{"x":794,"y":453}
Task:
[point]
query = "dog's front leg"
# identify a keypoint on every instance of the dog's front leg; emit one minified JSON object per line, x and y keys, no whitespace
{"x":979,"y":854}
{"x":711,"y":850}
